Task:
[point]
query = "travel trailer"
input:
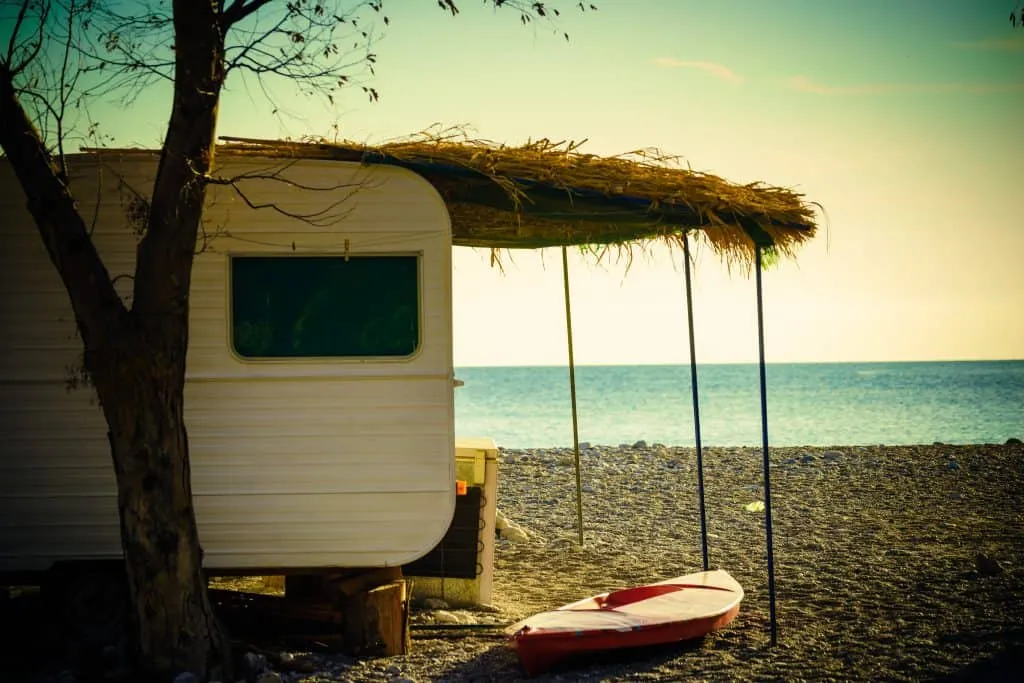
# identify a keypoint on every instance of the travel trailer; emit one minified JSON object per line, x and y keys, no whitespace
{"x":319,"y":391}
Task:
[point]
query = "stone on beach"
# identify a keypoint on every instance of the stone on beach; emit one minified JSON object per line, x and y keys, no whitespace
{"x":514,"y":534}
{"x":987,"y":565}
{"x":444,"y":617}
{"x":500,"y":520}
{"x":253,"y":664}
{"x":509,"y":530}
{"x":435,"y":603}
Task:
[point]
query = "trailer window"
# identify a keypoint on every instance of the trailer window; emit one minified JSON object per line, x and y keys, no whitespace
{"x":325,"y":306}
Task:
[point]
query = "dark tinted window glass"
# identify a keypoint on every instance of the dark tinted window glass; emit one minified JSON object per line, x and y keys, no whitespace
{"x":299,"y":306}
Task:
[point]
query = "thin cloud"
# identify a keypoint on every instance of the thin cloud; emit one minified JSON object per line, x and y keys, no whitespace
{"x":993,"y":44}
{"x":715,"y":69}
{"x":804,"y":84}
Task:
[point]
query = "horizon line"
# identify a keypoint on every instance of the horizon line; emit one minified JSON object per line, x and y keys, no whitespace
{"x":745,"y":362}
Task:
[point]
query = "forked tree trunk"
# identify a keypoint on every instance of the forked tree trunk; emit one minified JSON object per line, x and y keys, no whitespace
{"x":136,"y":357}
{"x":141,"y":384}
{"x":174,"y":625}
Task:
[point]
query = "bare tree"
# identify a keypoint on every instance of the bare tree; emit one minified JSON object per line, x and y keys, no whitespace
{"x":59,"y":54}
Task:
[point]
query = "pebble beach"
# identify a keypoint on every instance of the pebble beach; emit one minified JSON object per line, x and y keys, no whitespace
{"x":892,"y":564}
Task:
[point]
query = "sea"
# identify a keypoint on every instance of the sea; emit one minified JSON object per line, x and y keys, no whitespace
{"x":809,"y":404}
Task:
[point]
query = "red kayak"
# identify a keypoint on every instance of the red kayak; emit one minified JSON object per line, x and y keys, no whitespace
{"x":682,"y":608}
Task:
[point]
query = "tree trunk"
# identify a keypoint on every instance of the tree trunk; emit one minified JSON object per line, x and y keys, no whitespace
{"x":140,"y":376}
{"x":137,"y":363}
{"x":173,"y":620}
{"x":136,"y":357}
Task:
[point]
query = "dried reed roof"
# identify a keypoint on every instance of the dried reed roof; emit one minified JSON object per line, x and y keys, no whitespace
{"x":544,"y":194}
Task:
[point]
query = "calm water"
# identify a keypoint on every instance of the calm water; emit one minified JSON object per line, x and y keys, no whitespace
{"x":825,"y":404}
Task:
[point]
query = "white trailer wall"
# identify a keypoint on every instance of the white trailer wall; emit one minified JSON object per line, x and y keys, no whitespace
{"x":296,"y":463}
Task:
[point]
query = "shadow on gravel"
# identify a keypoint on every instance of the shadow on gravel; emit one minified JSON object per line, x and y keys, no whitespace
{"x":1005,"y":665}
{"x":502,"y":664}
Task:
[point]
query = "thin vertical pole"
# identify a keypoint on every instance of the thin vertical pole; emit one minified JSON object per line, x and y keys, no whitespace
{"x":764,"y":449}
{"x":572,"y":396}
{"x":696,"y":405}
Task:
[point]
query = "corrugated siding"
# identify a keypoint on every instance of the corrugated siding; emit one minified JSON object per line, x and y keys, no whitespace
{"x":304,"y":463}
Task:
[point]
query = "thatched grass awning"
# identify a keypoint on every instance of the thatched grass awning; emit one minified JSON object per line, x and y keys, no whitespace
{"x":544,"y":194}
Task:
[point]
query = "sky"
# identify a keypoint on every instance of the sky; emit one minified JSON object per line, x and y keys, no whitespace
{"x":902,"y":118}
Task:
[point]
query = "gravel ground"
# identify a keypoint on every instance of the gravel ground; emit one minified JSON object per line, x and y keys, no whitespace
{"x":892,"y":563}
{"x":876,"y":558}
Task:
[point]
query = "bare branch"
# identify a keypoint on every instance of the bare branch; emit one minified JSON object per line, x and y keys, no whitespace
{"x":164,"y":256}
{"x":17,"y":29}
{"x":29,"y":48}
{"x":258,"y":40}
{"x":321,"y":218}
{"x":63,"y":92}
{"x":239,"y":11}
{"x":303,"y":45}
{"x":94,"y":301}
{"x":34,"y":51}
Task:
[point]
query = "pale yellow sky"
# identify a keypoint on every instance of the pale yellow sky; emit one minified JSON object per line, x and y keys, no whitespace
{"x":905,"y":125}
{"x":817,"y":310}
{"x":906,"y":129}
{"x":917,"y":261}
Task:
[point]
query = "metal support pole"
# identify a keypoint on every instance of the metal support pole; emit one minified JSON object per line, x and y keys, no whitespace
{"x":696,"y":405}
{"x":764,"y":449}
{"x":572,"y":396}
